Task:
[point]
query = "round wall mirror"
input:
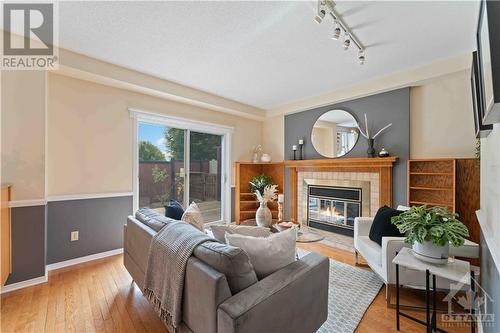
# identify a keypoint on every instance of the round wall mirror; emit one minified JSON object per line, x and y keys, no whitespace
{"x":335,"y":133}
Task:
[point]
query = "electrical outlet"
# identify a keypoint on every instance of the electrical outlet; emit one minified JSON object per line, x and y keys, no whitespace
{"x":74,"y":236}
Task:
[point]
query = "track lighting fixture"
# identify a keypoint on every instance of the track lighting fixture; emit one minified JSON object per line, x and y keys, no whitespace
{"x":328,"y":7}
{"x":361,"y":57}
{"x":347,"y":42}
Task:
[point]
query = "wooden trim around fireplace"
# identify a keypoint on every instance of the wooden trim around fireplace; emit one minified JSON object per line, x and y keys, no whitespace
{"x":381,"y":165}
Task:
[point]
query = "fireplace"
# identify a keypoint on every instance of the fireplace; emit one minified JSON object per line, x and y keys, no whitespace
{"x":333,"y":205}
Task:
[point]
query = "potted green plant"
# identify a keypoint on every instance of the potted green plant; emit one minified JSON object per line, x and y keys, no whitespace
{"x":430,"y":231}
{"x":258,"y":183}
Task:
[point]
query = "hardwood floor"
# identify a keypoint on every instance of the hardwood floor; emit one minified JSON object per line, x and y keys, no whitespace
{"x":91,"y":297}
{"x":100,"y":297}
{"x":378,"y":317}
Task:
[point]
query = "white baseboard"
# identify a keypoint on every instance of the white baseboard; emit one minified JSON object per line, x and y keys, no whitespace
{"x":24,"y":284}
{"x":80,"y":260}
{"x":57,"y":265}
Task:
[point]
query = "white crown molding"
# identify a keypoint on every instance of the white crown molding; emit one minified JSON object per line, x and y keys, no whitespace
{"x":24,"y":284}
{"x":406,"y":78}
{"x":81,"y":260}
{"x":27,"y":203}
{"x":89,"y":69}
{"x":488,"y":236}
{"x":83,"y":196}
{"x":179,"y":122}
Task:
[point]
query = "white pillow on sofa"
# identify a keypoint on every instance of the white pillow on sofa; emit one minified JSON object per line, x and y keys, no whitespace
{"x":192,"y":215}
{"x":219,"y":231}
{"x":269,"y":254}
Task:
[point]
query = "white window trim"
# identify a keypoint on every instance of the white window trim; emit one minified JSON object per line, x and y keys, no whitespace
{"x":193,"y":125}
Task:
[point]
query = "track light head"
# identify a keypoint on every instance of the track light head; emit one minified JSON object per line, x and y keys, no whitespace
{"x":361,"y":57}
{"x":321,"y":15}
{"x":336,"y":32}
{"x":347,"y":42}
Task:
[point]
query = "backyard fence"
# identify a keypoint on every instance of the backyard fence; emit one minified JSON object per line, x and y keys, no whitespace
{"x":204,"y":185}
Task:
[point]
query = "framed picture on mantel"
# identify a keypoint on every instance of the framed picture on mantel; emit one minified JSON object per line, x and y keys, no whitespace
{"x":488,"y":49}
{"x":481,"y":130}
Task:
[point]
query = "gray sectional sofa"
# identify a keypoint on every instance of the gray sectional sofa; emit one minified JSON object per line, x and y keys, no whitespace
{"x":222,"y":293}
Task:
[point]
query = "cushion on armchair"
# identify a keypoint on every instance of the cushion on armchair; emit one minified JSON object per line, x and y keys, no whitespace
{"x":382,"y":226}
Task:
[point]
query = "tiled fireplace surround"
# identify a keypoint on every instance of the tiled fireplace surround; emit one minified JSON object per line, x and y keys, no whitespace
{"x":302,"y":176}
{"x":376,"y":171}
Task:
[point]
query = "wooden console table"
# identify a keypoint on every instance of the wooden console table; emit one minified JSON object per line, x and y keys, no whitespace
{"x":381,"y":165}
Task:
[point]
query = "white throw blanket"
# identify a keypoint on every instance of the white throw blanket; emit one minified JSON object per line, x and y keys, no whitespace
{"x":169,"y":252}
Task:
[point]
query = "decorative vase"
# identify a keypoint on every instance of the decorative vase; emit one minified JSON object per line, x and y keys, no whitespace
{"x":255,"y":158}
{"x":370,"y":151}
{"x":430,"y":252}
{"x":263,"y":216}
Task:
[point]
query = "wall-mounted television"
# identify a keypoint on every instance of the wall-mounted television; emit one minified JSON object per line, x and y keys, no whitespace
{"x":481,"y":129}
{"x":488,"y":49}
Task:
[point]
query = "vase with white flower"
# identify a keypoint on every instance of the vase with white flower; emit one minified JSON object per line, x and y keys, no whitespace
{"x":369,"y":137}
{"x":263,"y":216}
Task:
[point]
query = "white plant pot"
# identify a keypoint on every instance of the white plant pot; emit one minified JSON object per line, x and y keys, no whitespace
{"x":430,"y":252}
{"x":263,"y":216}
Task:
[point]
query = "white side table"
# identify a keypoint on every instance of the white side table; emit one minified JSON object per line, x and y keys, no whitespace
{"x":458,"y":271}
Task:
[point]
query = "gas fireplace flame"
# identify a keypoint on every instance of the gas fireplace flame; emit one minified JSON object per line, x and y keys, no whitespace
{"x":331,"y":212}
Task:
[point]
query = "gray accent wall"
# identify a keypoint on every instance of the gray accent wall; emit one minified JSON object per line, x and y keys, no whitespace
{"x":28,"y":243}
{"x":490,"y":282}
{"x":98,"y":221}
{"x":381,"y":109}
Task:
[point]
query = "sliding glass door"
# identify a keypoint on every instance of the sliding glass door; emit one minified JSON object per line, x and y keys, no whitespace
{"x":182,"y":164}
{"x":161,"y":165}
{"x":205,"y":173}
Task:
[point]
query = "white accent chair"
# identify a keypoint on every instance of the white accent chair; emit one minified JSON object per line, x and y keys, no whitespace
{"x":379,"y":258}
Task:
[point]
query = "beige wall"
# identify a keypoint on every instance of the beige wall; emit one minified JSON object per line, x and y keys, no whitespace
{"x":23,"y":133}
{"x":441,"y":118}
{"x":90,"y":134}
{"x":273,"y":137}
{"x":90,"y":131}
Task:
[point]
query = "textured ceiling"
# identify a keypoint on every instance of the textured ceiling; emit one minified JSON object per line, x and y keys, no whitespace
{"x":265,"y":53}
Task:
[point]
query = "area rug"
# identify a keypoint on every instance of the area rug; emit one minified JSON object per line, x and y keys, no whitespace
{"x":350,"y":293}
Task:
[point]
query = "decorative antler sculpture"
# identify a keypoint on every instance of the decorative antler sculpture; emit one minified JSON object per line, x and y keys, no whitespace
{"x":366,"y":134}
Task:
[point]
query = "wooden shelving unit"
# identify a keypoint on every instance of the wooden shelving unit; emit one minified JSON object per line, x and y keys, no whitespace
{"x":447,"y":182}
{"x":431,"y":182}
{"x":245,"y":202}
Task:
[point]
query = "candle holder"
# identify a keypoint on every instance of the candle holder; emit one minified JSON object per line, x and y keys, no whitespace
{"x":301,"y":145}
{"x":294,"y":148}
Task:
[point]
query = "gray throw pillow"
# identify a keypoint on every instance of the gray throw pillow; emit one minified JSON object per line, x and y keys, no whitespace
{"x":230,"y":261}
{"x":219,"y":231}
